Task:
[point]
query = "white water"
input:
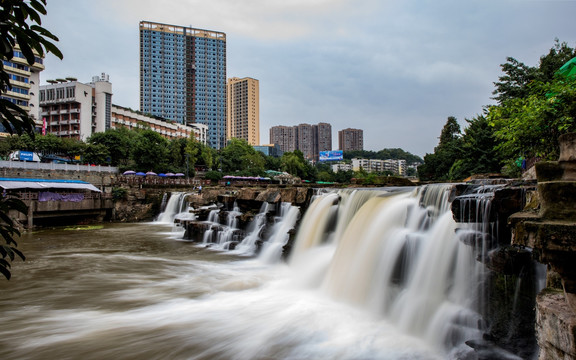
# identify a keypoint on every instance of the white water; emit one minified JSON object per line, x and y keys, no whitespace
{"x":394,"y":259}
{"x":176,"y":207}
{"x":373,"y":275}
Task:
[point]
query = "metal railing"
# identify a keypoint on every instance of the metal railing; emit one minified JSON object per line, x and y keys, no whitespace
{"x":54,"y":166}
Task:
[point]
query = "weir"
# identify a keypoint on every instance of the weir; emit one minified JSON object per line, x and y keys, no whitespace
{"x":420,"y":258}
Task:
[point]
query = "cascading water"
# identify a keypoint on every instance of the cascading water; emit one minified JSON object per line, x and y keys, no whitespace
{"x":398,"y":256}
{"x":175,"y":206}
{"x":272,"y":249}
{"x":373,"y":274}
{"x":248,"y":245}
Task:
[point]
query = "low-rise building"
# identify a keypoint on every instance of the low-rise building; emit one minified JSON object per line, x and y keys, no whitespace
{"x":131,"y":119}
{"x":395,"y":166}
{"x":72,"y":109}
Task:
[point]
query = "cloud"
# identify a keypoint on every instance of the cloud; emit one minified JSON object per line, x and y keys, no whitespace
{"x":396,"y":69}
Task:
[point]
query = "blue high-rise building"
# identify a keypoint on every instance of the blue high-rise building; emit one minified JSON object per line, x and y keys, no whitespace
{"x":183,"y":76}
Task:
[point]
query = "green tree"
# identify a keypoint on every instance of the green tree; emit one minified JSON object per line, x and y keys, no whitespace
{"x":19,"y":23}
{"x":118,"y":142}
{"x":97,"y":154}
{"x":240,"y":157}
{"x":528,"y":122}
{"x":295,"y":164}
{"x":478,"y":154}
{"x":20,"y":26}
{"x":150,"y":151}
{"x":530,"y":126}
{"x":436,"y":166}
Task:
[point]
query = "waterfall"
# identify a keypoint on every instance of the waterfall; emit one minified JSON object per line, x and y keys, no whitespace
{"x":272,"y":249}
{"x":176,"y":205}
{"x":395,"y":254}
{"x":248,"y":245}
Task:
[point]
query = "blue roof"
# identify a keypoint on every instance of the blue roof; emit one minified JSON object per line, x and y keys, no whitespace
{"x":46,"y":180}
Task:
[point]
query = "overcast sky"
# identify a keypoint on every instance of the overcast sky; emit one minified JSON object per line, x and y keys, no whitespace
{"x":394,"y":68}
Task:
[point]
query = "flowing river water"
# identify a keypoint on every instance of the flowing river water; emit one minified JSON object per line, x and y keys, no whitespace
{"x":372,"y":275}
{"x":134,"y":291}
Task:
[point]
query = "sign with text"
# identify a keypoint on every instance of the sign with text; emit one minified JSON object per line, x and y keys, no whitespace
{"x":334,"y":155}
{"x":26,"y":156}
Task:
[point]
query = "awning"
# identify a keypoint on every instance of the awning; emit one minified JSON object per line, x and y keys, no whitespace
{"x":42,"y":184}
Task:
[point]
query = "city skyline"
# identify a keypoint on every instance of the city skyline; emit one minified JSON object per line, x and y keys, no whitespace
{"x":395,"y":69}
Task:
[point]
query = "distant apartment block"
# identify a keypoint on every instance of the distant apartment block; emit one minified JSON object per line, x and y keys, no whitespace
{"x":310,"y":139}
{"x":350,"y":139}
{"x":25,"y":82}
{"x":183,"y":76}
{"x":243,"y":120}
{"x":286,"y":137}
{"x":71,"y":109}
{"x":341,"y":167}
{"x":397,"y":167}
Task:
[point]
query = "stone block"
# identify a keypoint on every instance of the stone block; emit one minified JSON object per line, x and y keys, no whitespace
{"x":556,"y":326}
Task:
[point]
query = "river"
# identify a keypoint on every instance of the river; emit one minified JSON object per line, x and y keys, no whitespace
{"x":136,"y":291}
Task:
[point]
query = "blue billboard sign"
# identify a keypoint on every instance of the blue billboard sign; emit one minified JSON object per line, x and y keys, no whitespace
{"x":26,"y":156}
{"x":334,"y":155}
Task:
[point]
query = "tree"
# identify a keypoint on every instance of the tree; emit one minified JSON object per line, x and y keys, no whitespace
{"x":240,"y":157}
{"x":528,"y":122}
{"x":436,"y":166}
{"x":97,"y":154}
{"x":19,"y":23}
{"x":33,"y":40}
{"x":295,"y":164}
{"x":150,"y":151}
{"x":478,"y":153}
{"x":117,"y":141}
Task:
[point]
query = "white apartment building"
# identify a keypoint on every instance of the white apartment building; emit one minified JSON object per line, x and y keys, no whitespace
{"x":374,"y":165}
{"x":341,"y":167}
{"x":76,"y":110}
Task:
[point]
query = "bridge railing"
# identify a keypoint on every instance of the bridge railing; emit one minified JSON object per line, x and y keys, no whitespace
{"x":54,"y":166}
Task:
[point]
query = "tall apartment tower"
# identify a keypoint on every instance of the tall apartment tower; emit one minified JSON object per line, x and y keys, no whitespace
{"x":351,"y":139}
{"x":310,"y":139}
{"x":183,"y":76}
{"x":243,"y":120}
{"x":324,"y":137}
{"x":286,"y":137}
{"x":25,"y":82}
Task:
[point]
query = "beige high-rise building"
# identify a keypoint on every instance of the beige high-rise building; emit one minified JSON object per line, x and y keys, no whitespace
{"x":243,"y":120}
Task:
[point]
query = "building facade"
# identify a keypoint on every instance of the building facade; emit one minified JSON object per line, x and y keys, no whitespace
{"x":183,"y":76}
{"x":286,"y":137}
{"x":310,"y":139}
{"x":25,"y":83}
{"x":350,"y":139}
{"x":127,"y":118}
{"x":71,"y":109}
{"x":243,"y":120}
{"x":397,"y":167}
{"x":269,"y":150}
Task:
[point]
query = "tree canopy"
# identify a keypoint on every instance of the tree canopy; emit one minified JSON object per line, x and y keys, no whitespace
{"x":535,"y":105}
{"x":19,"y":26}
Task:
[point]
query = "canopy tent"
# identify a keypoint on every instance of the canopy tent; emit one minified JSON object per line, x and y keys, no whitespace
{"x":568,"y":69}
{"x":42,"y":184}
